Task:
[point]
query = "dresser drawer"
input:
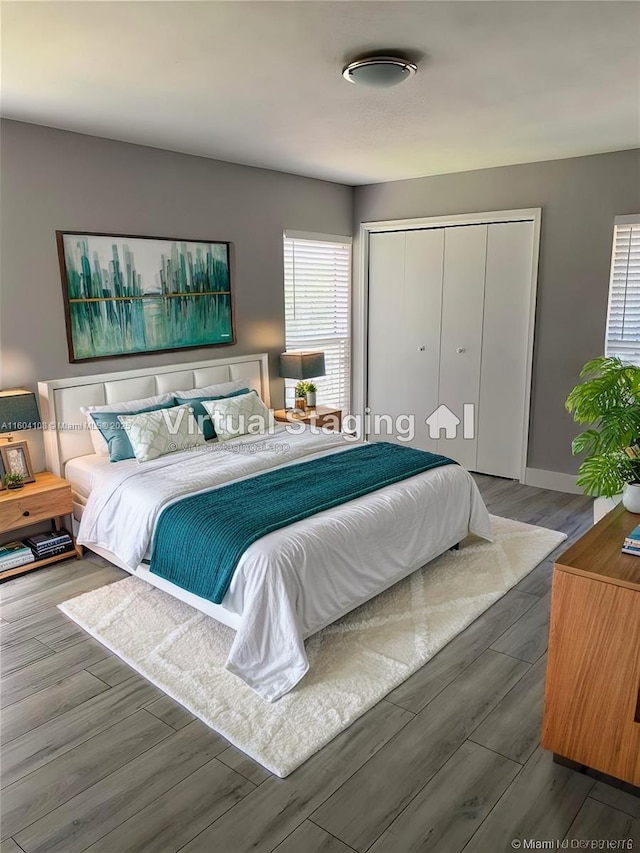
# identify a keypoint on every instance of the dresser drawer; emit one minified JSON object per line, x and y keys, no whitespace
{"x":25,"y":509}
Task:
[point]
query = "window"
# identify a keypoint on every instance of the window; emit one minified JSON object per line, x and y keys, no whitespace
{"x":623,"y":321}
{"x":317,"y":297}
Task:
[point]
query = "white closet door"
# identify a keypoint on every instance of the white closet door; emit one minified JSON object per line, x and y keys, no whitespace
{"x":387,"y":383}
{"x":461,"y":337}
{"x":503,"y":376}
{"x":405,"y":306}
{"x":424,"y":259}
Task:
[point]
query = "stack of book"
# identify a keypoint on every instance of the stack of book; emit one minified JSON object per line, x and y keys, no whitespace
{"x":15,"y":554}
{"x":51,"y":544}
{"x":632,"y":542}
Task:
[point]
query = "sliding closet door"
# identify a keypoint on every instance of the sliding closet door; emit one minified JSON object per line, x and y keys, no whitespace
{"x":503,"y":376}
{"x":461,"y":337}
{"x":405,"y":305}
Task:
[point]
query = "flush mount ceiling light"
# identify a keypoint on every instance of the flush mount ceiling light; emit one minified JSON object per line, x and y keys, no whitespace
{"x":382,"y":72}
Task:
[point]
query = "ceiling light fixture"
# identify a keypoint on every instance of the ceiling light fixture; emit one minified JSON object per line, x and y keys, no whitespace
{"x":381,"y":72}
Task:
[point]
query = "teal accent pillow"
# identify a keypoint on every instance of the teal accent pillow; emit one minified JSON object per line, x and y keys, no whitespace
{"x":203,"y":418}
{"x":116,"y":435}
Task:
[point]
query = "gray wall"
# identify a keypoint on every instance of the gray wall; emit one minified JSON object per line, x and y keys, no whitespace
{"x":53,"y":179}
{"x":579,"y":198}
{"x":57,"y":180}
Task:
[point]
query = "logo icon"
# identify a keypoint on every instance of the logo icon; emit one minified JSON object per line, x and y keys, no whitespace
{"x":443,"y":419}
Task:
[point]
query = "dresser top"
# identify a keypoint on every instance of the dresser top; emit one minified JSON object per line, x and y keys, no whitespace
{"x":597,"y":554}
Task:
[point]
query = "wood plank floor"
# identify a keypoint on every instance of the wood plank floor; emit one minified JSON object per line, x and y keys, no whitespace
{"x":96,"y":759}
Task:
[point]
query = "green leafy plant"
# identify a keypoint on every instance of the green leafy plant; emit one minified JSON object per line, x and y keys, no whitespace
{"x":13,"y":480}
{"x":303,"y":387}
{"x":608,"y":399}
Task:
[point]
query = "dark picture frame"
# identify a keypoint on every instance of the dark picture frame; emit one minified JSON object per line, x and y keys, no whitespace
{"x":128,"y":295}
{"x":16,"y":460}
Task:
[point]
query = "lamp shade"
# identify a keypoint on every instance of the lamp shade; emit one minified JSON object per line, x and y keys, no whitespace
{"x":18,"y":410}
{"x":301,"y":365}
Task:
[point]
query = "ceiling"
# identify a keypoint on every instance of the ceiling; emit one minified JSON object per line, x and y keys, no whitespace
{"x":260,"y":82}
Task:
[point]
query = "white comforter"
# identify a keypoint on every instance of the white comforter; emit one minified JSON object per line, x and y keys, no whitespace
{"x":293,"y":582}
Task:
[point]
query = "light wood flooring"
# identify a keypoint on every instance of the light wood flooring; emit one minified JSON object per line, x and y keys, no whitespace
{"x":96,"y":759}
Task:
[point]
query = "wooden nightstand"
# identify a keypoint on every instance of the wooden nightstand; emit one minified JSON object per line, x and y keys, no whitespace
{"x":321,"y":416}
{"x":49,"y":498}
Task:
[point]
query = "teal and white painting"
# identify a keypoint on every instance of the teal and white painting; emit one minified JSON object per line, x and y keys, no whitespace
{"x":126,"y":295}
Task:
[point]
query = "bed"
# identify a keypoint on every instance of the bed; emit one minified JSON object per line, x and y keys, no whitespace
{"x":292,"y":582}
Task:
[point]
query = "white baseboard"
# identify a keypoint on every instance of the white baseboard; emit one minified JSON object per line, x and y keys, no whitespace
{"x":552,"y":480}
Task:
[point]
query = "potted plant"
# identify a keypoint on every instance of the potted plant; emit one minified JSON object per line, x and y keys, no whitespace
{"x":14,"y":481}
{"x":608,"y":399}
{"x":306,"y":392}
{"x":311,"y":394}
{"x":301,"y":394}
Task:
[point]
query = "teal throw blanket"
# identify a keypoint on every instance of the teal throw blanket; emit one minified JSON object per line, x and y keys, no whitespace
{"x":200,"y":539}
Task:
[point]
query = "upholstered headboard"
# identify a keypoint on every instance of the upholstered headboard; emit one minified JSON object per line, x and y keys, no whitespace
{"x":66,"y":435}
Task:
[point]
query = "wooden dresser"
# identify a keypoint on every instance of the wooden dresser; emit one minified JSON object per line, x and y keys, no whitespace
{"x":592,"y":691}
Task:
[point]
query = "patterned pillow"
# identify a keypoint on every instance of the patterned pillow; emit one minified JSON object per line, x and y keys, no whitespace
{"x":130,"y":407}
{"x":241,"y":415}
{"x":114,"y":433}
{"x":155,"y":434}
{"x":202,"y":416}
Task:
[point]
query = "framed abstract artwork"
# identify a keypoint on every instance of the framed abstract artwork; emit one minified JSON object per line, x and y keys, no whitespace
{"x":127,"y":295}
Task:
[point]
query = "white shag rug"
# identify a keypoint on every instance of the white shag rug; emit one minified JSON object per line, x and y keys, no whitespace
{"x":354,"y":663}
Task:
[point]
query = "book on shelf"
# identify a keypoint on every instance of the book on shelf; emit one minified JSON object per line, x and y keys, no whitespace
{"x":11,"y":549}
{"x":54,"y":543}
{"x":15,"y":554}
{"x":53,"y":552}
{"x":16,"y":562}
{"x":49,"y":540}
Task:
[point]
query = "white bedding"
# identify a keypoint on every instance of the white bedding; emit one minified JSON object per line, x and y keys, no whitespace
{"x":293,"y":582}
{"x":83,"y":472}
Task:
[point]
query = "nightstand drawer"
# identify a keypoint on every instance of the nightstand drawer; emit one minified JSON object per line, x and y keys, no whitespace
{"x":333,"y":420}
{"x":27,"y":508}
{"x":322,"y":416}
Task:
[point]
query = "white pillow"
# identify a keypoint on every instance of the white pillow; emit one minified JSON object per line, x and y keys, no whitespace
{"x":154,"y":434}
{"x":99,"y":444}
{"x":241,"y":415}
{"x":214,"y":390}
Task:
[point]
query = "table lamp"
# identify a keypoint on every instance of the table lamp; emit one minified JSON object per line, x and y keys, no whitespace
{"x":18,"y":410}
{"x":302,"y":365}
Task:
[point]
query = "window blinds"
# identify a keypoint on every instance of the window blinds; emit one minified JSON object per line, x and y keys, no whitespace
{"x":317,"y":290}
{"x":623,"y":321}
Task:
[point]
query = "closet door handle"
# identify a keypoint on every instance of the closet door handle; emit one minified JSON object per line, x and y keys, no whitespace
{"x":460,"y":350}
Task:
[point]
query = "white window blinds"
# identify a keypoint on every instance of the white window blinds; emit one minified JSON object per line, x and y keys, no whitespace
{"x":623,"y":321}
{"x":317,"y":295}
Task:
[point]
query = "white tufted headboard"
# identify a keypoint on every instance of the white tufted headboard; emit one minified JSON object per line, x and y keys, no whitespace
{"x":67,"y":435}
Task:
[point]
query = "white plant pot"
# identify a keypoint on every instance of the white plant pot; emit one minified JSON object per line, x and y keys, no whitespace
{"x":631,"y":497}
{"x":311,"y":399}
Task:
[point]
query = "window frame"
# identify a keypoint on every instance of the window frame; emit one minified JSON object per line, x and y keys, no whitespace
{"x":627,"y":351}
{"x":322,"y":342}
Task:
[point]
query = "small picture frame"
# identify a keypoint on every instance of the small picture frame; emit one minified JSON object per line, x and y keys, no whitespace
{"x":16,"y":460}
